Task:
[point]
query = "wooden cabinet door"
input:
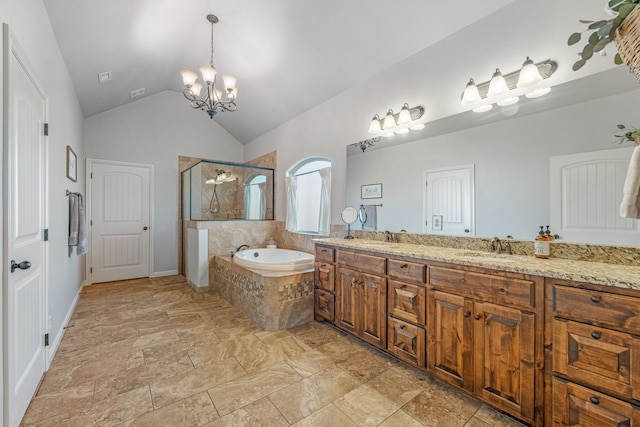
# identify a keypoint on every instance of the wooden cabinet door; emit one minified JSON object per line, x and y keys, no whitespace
{"x":373,"y":306}
{"x":324,"y":277}
{"x":574,"y":405}
{"x":347,"y":300}
{"x":406,"y":301}
{"x":324,"y":305}
{"x":449,"y":338}
{"x":504,"y":358}
{"x":406,"y":341}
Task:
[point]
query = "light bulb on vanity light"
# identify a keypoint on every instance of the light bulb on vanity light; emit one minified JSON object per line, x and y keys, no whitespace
{"x":471,"y":95}
{"x":389,"y":121}
{"x":374,"y":126}
{"x":497,"y":85}
{"x":529,"y":75}
{"x":404,"y":116}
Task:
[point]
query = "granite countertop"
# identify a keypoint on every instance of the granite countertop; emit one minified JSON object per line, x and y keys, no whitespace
{"x":621,"y":276}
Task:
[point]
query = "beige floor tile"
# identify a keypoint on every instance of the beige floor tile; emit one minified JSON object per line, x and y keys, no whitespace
{"x":366,"y":406}
{"x":400,"y":384}
{"x":494,"y":418}
{"x":63,"y":404}
{"x":258,"y":414}
{"x":261,"y":356}
{"x":195,"y":410}
{"x":367,"y":364}
{"x":440,"y":405}
{"x":117,"y":409}
{"x":249,"y":388}
{"x":401,"y":419}
{"x":186,"y":384}
{"x":329,"y":415}
{"x":307,"y":396}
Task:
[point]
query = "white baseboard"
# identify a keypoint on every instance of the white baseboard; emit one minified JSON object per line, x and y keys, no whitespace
{"x":53,"y":346}
{"x":164,"y":273}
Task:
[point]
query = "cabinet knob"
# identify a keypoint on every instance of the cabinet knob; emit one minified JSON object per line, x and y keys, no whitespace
{"x":595,"y":335}
{"x":594,"y":400}
{"x":466,"y":314}
{"x":595,"y":298}
{"x":401,"y":326}
{"x":404,"y":266}
{"x":477,"y":317}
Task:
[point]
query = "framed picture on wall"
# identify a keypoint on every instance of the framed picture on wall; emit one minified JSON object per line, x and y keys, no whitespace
{"x":72,"y":164}
{"x":371,"y":191}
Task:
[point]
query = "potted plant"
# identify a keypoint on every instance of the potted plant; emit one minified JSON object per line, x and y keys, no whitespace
{"x":605,"y":31}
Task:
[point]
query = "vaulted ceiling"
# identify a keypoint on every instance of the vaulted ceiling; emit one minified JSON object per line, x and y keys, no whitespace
{"x":288,"y":55}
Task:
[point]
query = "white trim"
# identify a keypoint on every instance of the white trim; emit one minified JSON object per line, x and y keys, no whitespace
{"x":88,"y":168}
{"x":164,"y":273}
{"x":53,"y":346}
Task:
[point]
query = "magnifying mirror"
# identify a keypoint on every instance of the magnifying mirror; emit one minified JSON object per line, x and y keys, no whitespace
{"x":349,"y":216}
{"x":362,"y":215}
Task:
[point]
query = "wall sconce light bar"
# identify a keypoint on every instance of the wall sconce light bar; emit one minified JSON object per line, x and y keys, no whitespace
{"x":546,"y":69}
{"x":415,"y":113}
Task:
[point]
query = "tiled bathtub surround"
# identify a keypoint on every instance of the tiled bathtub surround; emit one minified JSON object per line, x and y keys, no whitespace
{"x":273,"y":300}
{"x":571,"y":251}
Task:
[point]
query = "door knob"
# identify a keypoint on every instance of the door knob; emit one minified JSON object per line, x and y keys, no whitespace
{"x":145,"y":228}
{"x":24,"y":265}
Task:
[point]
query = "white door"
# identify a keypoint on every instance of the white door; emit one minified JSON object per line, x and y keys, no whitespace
{"x":120,"y":218}
{"x":449,"y":201}
{"x":25,"y":221}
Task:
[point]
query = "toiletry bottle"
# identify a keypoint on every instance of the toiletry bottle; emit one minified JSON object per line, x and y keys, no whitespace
{"x":541,"y":245}
{"x":549,"y":235}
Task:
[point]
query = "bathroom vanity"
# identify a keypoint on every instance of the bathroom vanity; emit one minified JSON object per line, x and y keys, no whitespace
{"x":551,"y":342}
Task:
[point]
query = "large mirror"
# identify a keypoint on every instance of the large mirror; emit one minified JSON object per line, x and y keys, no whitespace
{"x":509,"y":149}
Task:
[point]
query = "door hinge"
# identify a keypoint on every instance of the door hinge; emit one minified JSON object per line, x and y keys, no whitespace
{"x":91,"y":270}
{"x":426,"y":183}
{"x":46,"y":234}
{"x":46,"y":339}
{"x":91,"y":175}
{"x":46,"y":129}
{"x":91,"y":222}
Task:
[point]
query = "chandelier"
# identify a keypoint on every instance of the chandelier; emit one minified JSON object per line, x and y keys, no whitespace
{"x":213,"y":99}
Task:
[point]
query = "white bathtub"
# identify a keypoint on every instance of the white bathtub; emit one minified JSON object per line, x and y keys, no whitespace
{"x":274,"y":259}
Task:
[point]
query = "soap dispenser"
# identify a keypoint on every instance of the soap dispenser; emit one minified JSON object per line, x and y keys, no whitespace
{"x":541,"y":247}
{"x":271,"y":244}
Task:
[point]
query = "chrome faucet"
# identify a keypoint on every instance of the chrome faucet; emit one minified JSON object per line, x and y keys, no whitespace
{"x":238,"y":249}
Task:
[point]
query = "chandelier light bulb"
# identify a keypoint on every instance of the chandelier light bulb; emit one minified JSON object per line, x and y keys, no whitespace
{"x":471,"y":95}
{"x":374,"y":126}
{"x":529,"y":74}
{"x":497,"y":85}
{"x":389,"y":121}
{"x":229,"y":82}
{"x":195,"y":90}
{"x":208,"y":73}
{"x":188,"y":78}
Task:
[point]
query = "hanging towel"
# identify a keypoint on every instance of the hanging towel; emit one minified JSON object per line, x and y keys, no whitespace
{"x":371,"y":212}
{"x":82,"y":228}
{"x":73,"y":219}
{"x":630,"y":206}
{"x":77,"y":226}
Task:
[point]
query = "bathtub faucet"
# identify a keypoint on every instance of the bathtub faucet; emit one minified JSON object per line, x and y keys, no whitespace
{"x":241,"y":247}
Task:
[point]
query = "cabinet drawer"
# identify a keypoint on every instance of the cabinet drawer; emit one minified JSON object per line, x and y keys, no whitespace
{"x":499,"y":289}
{"x":599,"y":357}
{"x":406,"y":342}
{"x":586,"y":305}
{"x":324,"y":305}
{"x":325,"y":276}
{"x":574,"y":405}
{"x":324,"y":254}
{"x":406,"y":301}
{"x":406,"y":270}
{"x":370,"y":263}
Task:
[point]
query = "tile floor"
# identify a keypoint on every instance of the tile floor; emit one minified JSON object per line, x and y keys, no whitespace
{"x":150,"y":352}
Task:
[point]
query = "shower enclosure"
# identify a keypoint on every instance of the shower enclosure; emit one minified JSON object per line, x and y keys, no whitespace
{"x":213,"y":191}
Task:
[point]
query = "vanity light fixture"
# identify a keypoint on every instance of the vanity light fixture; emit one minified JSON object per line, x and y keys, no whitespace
{"x":213,"y":99}
{"x":399,"y":123}
{"x":504,"y":90}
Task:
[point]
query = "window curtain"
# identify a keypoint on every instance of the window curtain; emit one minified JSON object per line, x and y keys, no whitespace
{"x":325,"y":201}
{"x":262,"y":187}
{"x":291,"y":223}
{"x":247,"y":201}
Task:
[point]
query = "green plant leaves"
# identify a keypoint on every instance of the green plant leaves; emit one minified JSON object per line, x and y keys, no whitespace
{"x":601,"y":44}
{"x":578,"y":64}
{"x":617,"y":60}
{"x":574,"y":38}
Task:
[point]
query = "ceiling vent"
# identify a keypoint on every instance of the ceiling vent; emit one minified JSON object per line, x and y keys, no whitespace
{"x":104,"y":77}
{"x":137,"y":92}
